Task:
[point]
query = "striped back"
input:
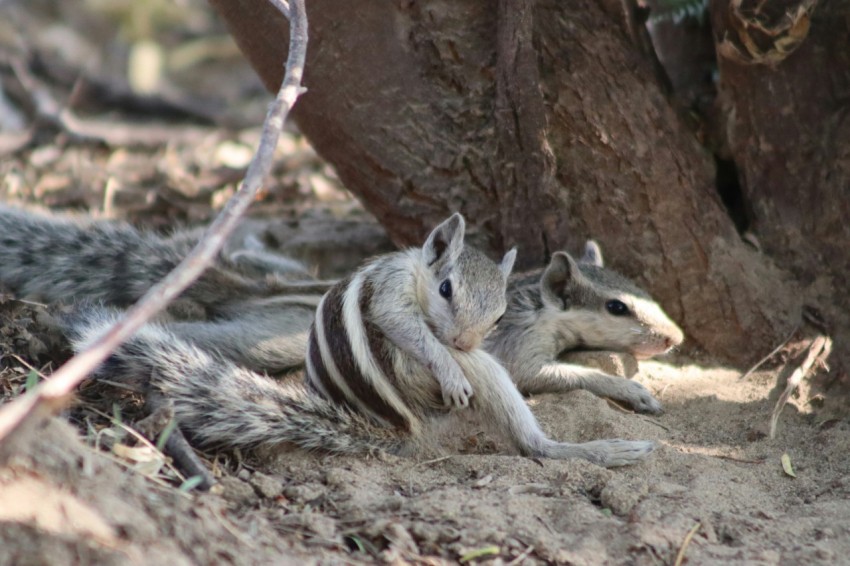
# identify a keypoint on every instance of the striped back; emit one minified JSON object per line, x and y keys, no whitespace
{"x":347,"y":357}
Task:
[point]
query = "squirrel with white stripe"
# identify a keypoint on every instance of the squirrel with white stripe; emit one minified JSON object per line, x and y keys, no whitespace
{"x":573,"y":305}
{"x":391,"y":346}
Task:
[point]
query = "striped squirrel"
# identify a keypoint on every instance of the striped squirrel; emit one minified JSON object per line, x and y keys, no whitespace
{"x":380,"y":338}
{"x":573,"y":305}
{"x":564,"y":307}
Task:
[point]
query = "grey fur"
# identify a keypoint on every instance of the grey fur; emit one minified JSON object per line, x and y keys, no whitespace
{"x":222,"y":405}
{"x":563,"y":308}
{"x":254,"y":318}
{"x":252,"y":306}
{"x":393,"y":333}
{"x":58,"y":258}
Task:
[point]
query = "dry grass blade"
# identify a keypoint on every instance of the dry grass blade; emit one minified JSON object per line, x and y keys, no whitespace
{"x":817,"y":352}
{"x":688,"y":537}
{"x":144,"y":441}
{"x":773,"y":352}
{"x":53,"y":393}
{"x":521,"y":557}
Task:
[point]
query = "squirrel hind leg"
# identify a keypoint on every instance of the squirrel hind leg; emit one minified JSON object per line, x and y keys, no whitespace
{"x":499,"y":402}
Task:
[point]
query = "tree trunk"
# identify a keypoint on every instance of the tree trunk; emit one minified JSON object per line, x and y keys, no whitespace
{"x":787,"y":125}
{"x":789,"y":132}
{"x":544,"y":125}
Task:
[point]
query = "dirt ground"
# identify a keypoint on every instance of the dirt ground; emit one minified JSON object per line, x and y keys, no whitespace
{"x":62,"y":501}
{"x":82,"y":490}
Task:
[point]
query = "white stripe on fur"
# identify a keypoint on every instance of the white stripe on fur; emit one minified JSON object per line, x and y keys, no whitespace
{"x":333,"y":371}
{"x":311,"y":371}
{"x":353,"y":321}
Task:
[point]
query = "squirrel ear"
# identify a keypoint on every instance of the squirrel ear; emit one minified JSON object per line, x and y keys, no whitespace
{"x":561,"y":271}
{"x":592,"y":254}
{"x":508,"y":262}
{"x":446,"y":240}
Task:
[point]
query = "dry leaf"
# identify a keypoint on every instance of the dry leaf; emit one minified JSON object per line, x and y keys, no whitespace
{"x":786,"y":465}
{"x":148,"y":461}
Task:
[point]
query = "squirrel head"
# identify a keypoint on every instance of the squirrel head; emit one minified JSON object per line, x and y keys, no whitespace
{"x":464,"y":291}
{"x":603,"y":309}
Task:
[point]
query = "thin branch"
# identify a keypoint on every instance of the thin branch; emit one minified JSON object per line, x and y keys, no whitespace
{"x":110,"y":132}
{"x":53,"y":394}
{"x":282,"y":6}
{"x":773,"y":352}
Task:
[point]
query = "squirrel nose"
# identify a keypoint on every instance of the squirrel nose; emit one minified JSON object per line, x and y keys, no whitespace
{"x":675,"y":338}
{"x":671,"y":341}
{"x":465,"y":343}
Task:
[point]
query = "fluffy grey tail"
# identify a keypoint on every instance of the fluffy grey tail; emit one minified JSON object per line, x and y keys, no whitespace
{"x":221,"y":405}
{"x":59,"y":258}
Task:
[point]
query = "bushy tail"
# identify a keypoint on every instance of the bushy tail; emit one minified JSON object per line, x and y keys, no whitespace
{"x":60,"y":258}
{"x":221,"y":405}
{"x":56,"y":258}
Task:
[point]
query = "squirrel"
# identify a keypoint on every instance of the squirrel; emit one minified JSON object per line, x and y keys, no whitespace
{"x":573,"y":305}
{"x":252,"y":305}
{"x":391,"y":346}
{"x":566,"y":306}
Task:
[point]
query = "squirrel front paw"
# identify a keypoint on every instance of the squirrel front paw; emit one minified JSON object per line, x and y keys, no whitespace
{"x":640,"y":398}
{"x":456,"y":390}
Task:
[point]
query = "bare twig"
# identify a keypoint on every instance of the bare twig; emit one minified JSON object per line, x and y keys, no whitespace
{"x":111,"y":131}
{"x":120,"y":134}
{"x":53,"y":393}
{"x":282,"y":6}
{"x":656,"y":423}
{"x":434,"y":461}
{"x":739,"y":460}
{"x":816,"y":354}
{"x":521,"y":557}
{"x":681,"y":555}
{"x":781,"y":345}
{"x":615,"y":405}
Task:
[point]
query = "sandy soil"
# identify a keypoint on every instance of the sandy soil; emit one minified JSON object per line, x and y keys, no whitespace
{"x":87,"y":492}
{"x":61,"y":501}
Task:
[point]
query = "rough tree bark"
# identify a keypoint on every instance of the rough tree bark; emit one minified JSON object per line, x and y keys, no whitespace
{"x":784,"y":100}
{"x":544,"y":125}
{"x":788,"y":126}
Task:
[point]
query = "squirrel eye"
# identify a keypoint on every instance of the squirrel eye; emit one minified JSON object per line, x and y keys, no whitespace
{"x":446,"y":289}
{"x":617,"y":308}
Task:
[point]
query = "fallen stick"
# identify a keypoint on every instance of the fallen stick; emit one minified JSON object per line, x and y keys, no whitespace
{"x":54,"y":393}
